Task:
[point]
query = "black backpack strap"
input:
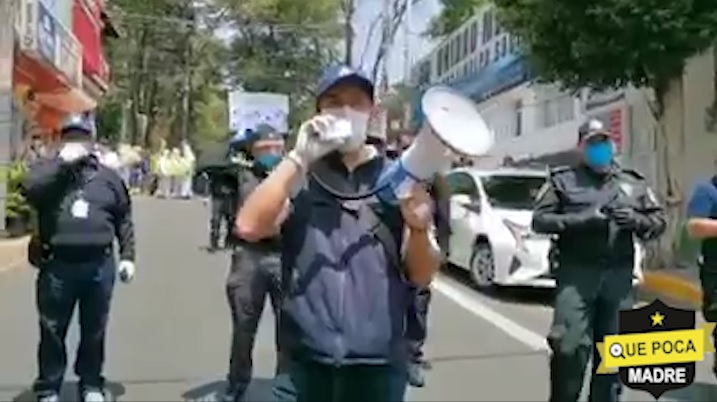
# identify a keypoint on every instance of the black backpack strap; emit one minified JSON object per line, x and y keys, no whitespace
{"x":380,"y":230}
{"x":364,"y":205}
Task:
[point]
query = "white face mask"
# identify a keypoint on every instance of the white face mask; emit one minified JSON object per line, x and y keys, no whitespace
{"x":76,"y":147}
{"x":359,"y":127}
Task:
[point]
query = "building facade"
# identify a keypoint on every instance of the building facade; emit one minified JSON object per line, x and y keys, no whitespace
{"x":529,"y":121}
{"x":59,"y":64}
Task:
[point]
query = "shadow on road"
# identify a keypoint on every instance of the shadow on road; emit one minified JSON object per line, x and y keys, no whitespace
{"x":259,"y":390}
{"x":69,"y":392}
{"x":521,"y":295}
{"x":697,"y":392}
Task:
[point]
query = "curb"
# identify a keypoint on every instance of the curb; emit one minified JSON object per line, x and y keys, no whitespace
{"x":680,"y":288}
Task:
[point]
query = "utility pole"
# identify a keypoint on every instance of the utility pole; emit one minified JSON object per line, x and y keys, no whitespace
{"x":187,"y":81}
{"x":7,"y":53}
{"x":386,"y":12}
{"x":407,"y":32}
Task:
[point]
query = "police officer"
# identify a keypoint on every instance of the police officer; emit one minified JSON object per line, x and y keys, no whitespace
{"x":223,"y":192}
{"x":602,"y":205}
{"x":82,"y":206}
{"x":255,"y":270}
{"x":417,"y":317}
{"x":702,"y":225}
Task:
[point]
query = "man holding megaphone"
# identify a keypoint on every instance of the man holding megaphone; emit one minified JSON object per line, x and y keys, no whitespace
{"x":343,"y":250}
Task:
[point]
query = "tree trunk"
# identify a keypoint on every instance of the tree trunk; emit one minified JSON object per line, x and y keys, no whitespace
{"x":672,"y":195}
{"x":349,"y":10}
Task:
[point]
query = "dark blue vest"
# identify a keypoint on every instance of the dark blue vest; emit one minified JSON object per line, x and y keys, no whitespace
{"x":346,"y":297}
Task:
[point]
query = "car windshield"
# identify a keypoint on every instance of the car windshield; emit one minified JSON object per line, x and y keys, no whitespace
{"x":512,"y":192}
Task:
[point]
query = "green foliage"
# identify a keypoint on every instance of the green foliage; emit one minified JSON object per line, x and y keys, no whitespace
{"x":610,"y":43}
{"x":453,"y":14}
{"x":275,"y":46}
{"x":168,"y":46}
{"x":282,"y":46}
{"x":16,"y":205}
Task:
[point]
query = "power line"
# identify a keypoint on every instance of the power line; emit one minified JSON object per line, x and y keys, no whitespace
{"x":260,"y":24}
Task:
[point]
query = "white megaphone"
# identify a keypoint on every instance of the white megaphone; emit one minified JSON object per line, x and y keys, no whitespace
{"x":453,"y":127}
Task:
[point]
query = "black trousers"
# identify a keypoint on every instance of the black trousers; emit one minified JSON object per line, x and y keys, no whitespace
{"x":361,"y":383}
{"x":254,"y":274}
{"x":222,"y":214}
{"x":586,"y":309}
{"x":417,"y":322}
{"x":61,"y":285}
{"x":708,"y":280}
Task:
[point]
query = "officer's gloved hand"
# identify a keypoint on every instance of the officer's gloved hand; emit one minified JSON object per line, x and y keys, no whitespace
{"x":311,"y":142}
{"x":126,"y":271}
{"x":588,"y":218}
{"x":626,"y":218}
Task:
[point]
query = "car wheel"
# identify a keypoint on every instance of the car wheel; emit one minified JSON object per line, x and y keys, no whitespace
{"x":482,"y":265}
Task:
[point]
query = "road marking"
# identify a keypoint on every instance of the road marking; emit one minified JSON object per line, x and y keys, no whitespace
{"x":472,"y":304}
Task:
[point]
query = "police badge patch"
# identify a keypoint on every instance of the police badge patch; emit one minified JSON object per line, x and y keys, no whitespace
{"x":656,"y":349}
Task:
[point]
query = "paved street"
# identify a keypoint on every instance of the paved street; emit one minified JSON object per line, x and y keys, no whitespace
{"x":169,"y":333}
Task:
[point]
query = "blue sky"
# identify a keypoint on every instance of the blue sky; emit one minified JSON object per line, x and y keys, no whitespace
{"x":421,"y":15}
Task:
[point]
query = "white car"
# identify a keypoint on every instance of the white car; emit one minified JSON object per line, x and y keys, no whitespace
{"x":491,"y":212}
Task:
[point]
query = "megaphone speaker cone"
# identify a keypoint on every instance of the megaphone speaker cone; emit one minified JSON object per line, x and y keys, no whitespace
{"x":456,"y":121}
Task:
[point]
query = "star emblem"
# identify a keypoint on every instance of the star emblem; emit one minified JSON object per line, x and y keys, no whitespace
{"x":657,"y":319}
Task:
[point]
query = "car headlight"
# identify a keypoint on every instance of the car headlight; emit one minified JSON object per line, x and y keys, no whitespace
{"x":520,"y":232}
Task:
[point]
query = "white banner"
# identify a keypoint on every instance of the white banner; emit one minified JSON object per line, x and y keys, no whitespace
{"x":248,"y":110}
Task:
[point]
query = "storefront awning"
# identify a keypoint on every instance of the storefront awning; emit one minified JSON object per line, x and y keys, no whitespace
{"x":73,"y":100}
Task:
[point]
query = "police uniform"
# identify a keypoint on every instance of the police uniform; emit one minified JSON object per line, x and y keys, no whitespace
{"x":417,"y":318}
{"x":255,"y":271}
{"x":223,"y":189}
{"x":82,"y":207}
{"x":595,"y":258}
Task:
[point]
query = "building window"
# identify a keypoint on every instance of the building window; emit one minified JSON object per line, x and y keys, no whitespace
{"x":466,"y":43}
{"x":498,"y":29}
{"x":514,"y":44}
{"x":446,"y":59}
{"x":498,"y":51}
{"x":518,"y":118}
{"x":556,"y":111}
{"x":454,"y":52}
{"x":487,"y":26}
{"x":504,"y":46}
{"x":474,"y":36}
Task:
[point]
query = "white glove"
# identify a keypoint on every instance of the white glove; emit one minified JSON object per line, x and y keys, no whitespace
{"x":126,"y":271}
{"x":312,"y":142}
{"x":71,"y":152}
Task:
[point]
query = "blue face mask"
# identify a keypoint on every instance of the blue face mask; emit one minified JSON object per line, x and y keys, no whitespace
{"x":598,"y":155}
{"x":268,"y":161}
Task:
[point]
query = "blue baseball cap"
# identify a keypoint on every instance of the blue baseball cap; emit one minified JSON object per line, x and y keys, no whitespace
{"x":77,"y":123}
{"x":340,"y":74}
{"x":240,"y":138}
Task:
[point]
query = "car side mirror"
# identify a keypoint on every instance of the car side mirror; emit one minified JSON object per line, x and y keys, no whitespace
{"x":473,"y":206}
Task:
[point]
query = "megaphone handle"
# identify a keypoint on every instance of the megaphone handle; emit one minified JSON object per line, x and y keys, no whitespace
{"x":405,"y":187}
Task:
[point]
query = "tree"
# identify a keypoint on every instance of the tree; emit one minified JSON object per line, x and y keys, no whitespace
{"x":452,"y":15}
{"x":602,"y":44}
{"x":282,"y":46}
{"x":168,"y":54}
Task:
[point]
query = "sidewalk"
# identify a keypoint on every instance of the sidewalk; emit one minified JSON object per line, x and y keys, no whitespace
{"x":13,"y":252}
